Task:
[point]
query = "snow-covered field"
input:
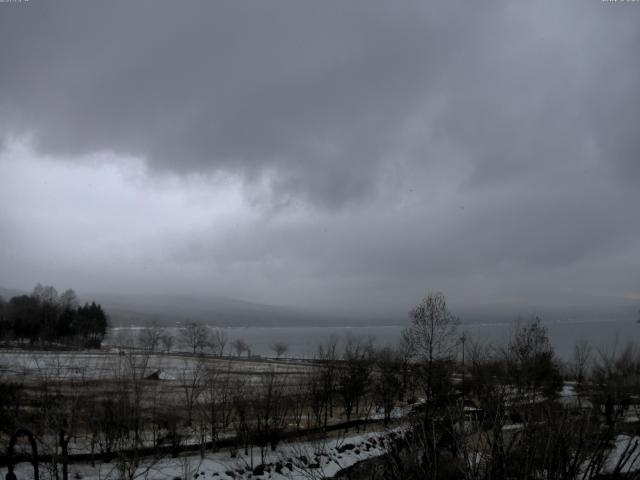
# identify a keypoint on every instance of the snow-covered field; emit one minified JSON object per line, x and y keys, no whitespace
{"x":292,"y":461}
{"x":308,"y":460}
{"x":91,"y":365}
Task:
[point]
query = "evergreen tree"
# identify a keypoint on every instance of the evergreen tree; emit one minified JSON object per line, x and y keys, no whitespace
{"x":45,"y":316}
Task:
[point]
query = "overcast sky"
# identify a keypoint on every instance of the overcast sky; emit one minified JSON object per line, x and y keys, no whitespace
{"x":343,"y":154}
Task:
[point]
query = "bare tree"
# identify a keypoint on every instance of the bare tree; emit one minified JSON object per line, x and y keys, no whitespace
{"x":128,"y":423}
{"x":166,"y":339}
{"x":387,"y":380}
{"x":219,"y":341}
{"x":269,"y":411}
{"x":530,"y":361}
{"x":279,"y":348}
{"x":68,"y":299}
{"x":47,"y":298}
{"x":45,"y":294}
{"x":432,"y":337}
{"x":615,"y":381}
{"x":581,"y":357}
{"x":195,"y":336}
{"x":149,"y":337}
{"x":216,"y":404}
{"x":62,"y":408}
{"x":191,"y":380}
{"x":239,"y":346}
{"x":325,"y":379}
{"x":5,"y":326}
{"x":353,"y":376}
{"x":299,"y":400}
{"x":242,"y":414}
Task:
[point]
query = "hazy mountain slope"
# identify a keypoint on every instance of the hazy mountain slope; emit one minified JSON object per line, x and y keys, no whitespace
{"x":170,"y":309}
{"x":217,"y":311}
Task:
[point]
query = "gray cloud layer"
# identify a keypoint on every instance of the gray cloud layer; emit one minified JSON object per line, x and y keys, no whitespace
{"x":489,"y":149}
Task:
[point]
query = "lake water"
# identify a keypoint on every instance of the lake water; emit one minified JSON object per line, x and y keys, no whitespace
{"x":303,"y":341}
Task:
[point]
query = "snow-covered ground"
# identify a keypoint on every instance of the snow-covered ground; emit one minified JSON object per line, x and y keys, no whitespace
{"x":624,"y":456}
{"x":292,"y":461}
{"x":91,"y":365}
{"x":397,"y":412}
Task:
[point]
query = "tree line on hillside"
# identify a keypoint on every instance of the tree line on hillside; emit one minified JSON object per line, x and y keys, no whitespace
{"x":44,"y":316}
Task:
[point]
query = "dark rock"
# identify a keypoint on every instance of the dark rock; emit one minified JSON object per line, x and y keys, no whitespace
{"x":345,"y":447}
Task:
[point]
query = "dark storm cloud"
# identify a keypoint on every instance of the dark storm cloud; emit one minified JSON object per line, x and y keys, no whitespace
{"x":448,"y":145}
{"x":318,"y":92}
{"x":311,"y":91}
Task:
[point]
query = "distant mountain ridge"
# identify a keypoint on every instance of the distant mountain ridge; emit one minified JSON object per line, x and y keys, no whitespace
{"x":222,"y":311}
{"x":219,"y":311}
{"x":215,"y":311}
